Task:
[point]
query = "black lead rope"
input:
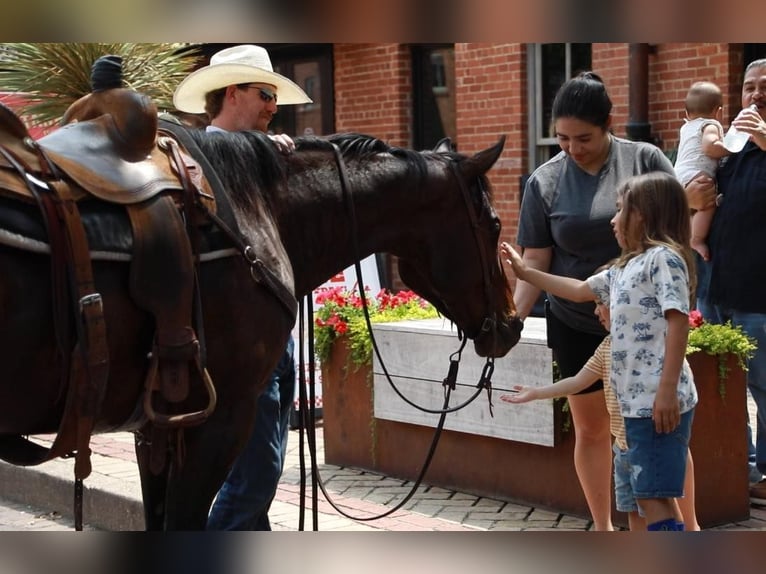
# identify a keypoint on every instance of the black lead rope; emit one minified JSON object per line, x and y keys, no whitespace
{"x":415,"y":485}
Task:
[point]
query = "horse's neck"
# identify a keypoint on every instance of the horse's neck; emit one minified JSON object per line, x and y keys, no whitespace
{"x":320,"y":234}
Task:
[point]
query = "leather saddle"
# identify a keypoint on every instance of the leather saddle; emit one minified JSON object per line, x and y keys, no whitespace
{"x":101,"y":153}
{"x":110,"y":150}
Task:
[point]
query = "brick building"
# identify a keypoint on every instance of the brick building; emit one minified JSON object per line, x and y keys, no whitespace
{"x":414,"y":94}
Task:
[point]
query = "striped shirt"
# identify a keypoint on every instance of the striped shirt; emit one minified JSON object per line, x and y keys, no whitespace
{"x":600,"y":363}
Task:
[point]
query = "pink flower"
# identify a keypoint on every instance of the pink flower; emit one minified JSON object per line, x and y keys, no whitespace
{"x":695,"y":319}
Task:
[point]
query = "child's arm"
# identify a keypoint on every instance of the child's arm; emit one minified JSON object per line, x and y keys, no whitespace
{"x":526,"y":294}
{"x":582,"y":380}
{"x":566,"y":287}
{"x":667,"y":412}
{"x":712,"y":142}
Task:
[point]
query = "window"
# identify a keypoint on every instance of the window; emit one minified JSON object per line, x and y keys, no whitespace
{"x":753,"y":52}
{"x":309,"y":66}
{"x":433,"y":94}
{"x":438,"y":73}
{"x":550,"y":65}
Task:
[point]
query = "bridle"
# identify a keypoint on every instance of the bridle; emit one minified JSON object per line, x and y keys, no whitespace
{"x":489,"y":323}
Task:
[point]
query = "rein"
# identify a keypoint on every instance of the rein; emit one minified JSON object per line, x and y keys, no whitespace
{"x":307,"y":417}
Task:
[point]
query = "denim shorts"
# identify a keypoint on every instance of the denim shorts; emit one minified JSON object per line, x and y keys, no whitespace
{"x":623,"y":491}
{"x":658,"y":460}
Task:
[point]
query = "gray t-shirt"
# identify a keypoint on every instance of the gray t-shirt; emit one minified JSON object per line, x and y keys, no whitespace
{"x":569,"y":210}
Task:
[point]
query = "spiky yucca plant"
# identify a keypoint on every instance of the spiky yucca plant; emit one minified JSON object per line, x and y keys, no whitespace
{"x":55,"y":75}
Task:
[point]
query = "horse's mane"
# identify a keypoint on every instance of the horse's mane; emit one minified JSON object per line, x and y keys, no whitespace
{"x":247,"y":162}
{"x":356,"y":146}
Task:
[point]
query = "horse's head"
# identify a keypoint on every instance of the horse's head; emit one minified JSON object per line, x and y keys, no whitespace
{"x":432,"y":210}
{"x":456,"y":264}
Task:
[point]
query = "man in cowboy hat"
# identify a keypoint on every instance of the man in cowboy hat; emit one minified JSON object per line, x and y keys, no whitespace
{"x":239,"y":91}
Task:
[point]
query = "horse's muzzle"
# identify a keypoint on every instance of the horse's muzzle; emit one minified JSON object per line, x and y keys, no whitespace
{"x":497,"y":338}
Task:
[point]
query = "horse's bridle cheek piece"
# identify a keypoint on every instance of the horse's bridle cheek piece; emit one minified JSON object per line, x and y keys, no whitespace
{"x":490,"y":319}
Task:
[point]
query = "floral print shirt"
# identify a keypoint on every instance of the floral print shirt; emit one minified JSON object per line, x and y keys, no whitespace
{"x":638,"y":295}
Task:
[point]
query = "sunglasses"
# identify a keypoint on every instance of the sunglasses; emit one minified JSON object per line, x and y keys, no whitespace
{"x":266,"y":94}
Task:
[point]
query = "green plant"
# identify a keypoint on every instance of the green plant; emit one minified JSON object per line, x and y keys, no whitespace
{"x":341,"y":314}
{"x":720,"y":341}
{"x":54,"y":75}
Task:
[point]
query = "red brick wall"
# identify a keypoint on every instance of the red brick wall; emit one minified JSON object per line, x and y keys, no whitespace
{"x":674,"y":67}
{"x":372,"y":91}
{"x":610,"y":61}
{"x":491,"y":102}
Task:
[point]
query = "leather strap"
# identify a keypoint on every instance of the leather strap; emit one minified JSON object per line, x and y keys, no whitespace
{"x":89,"y":370}
{"x":89,"y":366}
{"x":89,"y":363}
{"x":181,"y":133}
{"x":165,"y":290}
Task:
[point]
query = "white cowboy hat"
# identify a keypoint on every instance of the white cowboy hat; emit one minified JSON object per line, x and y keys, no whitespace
{"x":242,"y":64}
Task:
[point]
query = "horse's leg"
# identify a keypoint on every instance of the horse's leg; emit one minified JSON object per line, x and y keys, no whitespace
{"x":193,"y":483}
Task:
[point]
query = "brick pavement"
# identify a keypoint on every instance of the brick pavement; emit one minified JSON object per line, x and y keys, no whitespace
{"x":112,"y":498}
{"x":15,"y":516}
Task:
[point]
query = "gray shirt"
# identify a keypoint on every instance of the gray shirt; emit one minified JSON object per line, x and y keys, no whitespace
{"x":569,"y":210}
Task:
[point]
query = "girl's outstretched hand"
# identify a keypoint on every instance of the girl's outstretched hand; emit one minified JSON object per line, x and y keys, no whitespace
{"x":521,"y":394}
{"x":514,"y":258}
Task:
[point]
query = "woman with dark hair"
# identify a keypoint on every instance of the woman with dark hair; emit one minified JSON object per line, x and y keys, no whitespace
{"x":564,"y":229}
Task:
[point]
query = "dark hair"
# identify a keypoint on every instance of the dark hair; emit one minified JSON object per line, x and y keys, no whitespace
{"x":214,"y":102}
{"x":583,"y":97}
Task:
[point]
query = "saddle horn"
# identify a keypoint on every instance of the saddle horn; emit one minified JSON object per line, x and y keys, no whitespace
{"x":130,"y":117}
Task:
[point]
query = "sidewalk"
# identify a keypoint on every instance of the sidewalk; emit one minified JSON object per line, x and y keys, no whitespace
{"x":112,"y":499}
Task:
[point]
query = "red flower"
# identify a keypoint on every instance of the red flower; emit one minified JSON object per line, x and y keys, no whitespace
{"x":695,"y":319}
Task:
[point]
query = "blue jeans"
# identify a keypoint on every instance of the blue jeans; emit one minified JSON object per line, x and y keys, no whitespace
{"x":657,"y":460}
{"x":624,"y":499}
{"x":244,"y":499}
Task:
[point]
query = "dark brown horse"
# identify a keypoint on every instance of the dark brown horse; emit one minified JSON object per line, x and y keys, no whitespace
{"x":430,"y":209}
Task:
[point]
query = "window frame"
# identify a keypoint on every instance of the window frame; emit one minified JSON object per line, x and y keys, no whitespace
{"x":539,"y":141}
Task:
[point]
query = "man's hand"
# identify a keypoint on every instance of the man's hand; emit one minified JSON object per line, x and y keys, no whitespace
{"x":750,"y":121}
{"x":284,"y":142}
{"x":701,"y":192}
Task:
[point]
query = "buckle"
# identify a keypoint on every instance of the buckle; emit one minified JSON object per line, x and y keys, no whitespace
{"x":92,"y":299}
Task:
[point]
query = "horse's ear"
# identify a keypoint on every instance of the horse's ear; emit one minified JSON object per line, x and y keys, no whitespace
{"x":480,"y":163}
{"x":444,"y":145}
